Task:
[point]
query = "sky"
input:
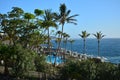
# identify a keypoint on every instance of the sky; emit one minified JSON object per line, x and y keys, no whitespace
{"x":94,"y":15}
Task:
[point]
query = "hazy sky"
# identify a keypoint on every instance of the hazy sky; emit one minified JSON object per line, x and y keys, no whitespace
{"x":94,"y":15}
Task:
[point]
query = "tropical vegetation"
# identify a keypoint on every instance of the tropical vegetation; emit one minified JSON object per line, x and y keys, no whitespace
{"x":84,"y":35}
{"x":99,"y":36}
{"x":22,"y":56}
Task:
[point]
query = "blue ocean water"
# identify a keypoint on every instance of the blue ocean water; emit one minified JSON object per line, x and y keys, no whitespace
{"x":109,"y":48}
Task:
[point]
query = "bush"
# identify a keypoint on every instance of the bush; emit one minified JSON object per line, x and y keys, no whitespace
{"x":89,"y":70}
{"x":40,"y":64}
{"x":22,"y":60}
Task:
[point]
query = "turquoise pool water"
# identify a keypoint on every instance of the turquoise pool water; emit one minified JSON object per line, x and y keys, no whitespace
{"x":51,"y":58}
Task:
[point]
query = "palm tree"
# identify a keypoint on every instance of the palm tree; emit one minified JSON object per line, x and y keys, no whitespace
{"x":64,"y":17}
{"x":99,"y":36}
{"x":48,"y":22}
{"x":84,"y":35}
{"x":71,"y":42}
{"x":65,"y":37}
{"x":59,"y":39}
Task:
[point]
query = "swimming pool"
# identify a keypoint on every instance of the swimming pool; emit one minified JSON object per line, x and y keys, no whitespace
{"x":51,"y":59}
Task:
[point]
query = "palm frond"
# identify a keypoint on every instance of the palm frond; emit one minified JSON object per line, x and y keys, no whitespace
{"x":80,"y":35}
{"x":73,"y":16}
{"x":56,"y":16}
{"x":99,"y":35}
{"x":72,"y":22}
{"x":103,"y":36}
{"x":69,"y":19}
{"x":88,"y":35}
{"x":84,"y":34}
{"x":95,"y":35}
{"x":62,"y":9}
{"x":68,"y":12}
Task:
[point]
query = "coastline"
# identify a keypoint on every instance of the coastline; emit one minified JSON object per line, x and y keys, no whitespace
{"x":109,"y":48}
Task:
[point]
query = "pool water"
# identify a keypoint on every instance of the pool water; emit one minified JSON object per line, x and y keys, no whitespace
{"x":51,"y":59}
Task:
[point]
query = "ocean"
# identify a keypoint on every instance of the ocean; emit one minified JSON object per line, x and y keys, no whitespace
{"x":109,"y":48}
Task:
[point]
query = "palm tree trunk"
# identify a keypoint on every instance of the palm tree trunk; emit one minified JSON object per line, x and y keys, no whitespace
{"x":98,"y":47}
{"x":61,"y":34}
{"x":49,"y":45}
{"x":48,"y":40}
{"x":71,"y":49}
{"x":62,"y":30}
{"x":65,"y":48}
{"x":56,"y":54}
{"x":59,"y":42}
{"x":71,"y":46}
{"x":84,"y":47}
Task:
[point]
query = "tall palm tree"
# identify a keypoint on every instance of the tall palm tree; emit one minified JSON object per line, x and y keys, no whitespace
{"x":59,"y":39}
{"x":84,"y":35}
{"x":48,"y":21}
{"x":65,"y":37}
{"x":64,"y":17}
{"x":99,"y":35}
{"x":71,"y":42}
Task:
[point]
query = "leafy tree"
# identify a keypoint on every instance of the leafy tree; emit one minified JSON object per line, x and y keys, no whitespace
{"x":38,"y":12}
{"x":29,"y":16}
{"x":36,"y":38}
{"x":16,"y":12}
{"x":11,"y":23}
{"x":99,"y":36}
{"x":19,"y":59}
{"x":84,"y":35}
{"x":28,"y":28}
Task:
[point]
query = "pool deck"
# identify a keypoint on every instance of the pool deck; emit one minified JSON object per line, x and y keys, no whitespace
{"x":67,"y":54}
